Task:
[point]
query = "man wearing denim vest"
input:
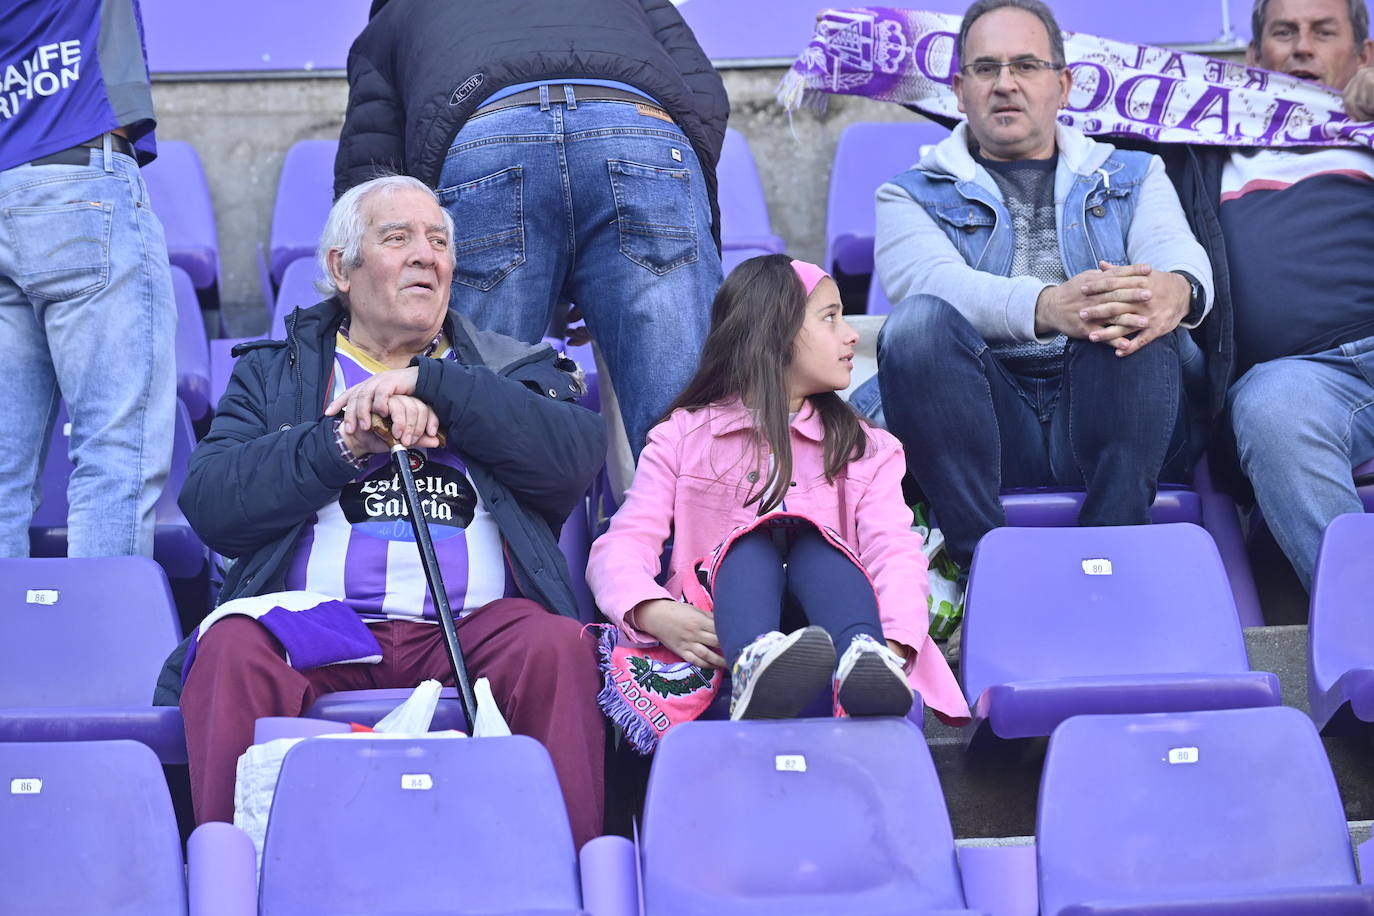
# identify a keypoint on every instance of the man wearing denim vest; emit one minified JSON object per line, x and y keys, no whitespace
{"x":1043,"y":282}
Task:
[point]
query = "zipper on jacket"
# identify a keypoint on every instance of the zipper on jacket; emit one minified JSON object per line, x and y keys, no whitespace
{"x":293,"y":356}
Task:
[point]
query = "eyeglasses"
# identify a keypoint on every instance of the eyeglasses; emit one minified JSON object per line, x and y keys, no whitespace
{"x":1023,"y":68}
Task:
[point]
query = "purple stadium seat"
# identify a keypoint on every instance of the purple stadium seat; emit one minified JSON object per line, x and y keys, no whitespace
{"x":867,"y":156}
{"x":1202,"y":504}
{"x":175,"y":545}
{"x":484,"y":826}
{"x":305,"y":192}
{"x":1067,"y":621}
{"x":1228,"y":813}
{"x":807,"y":816}
{"x":730,"y":258}
{"x":1340,"y":682}
{"x":1364,"y":483}
{"x":193,"y":351}
{"x":88,"y":828}
{"x":367,"y":707}
{"x":744,"y":222}
{"x":180,"y":196}
{"x":297,"y":291}
{"x":81,"y":644}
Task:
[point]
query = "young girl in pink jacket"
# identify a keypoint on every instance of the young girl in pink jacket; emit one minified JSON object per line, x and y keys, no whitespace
{"x":786,"y":514}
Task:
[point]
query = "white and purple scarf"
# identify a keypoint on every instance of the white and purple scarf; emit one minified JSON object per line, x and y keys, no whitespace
{"x":908,"y":57}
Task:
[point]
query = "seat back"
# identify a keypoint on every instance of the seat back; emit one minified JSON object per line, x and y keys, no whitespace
{"x":1340,"y":625}
{"x":305,"y":192}
{"x":180,"y":196}
{"x":798,"y":816}
{"x":744,"y":219}
{"x":1195,"y":805}
{"x":88,"y":828}
{"x":400,"y":826}
{"x":175,"y":545}
{"x":192,"y":347}
{"x":867,"y":156}
{"x":83,"y":632}
{"x":1066,"y":602}
{"x":297,"y":291}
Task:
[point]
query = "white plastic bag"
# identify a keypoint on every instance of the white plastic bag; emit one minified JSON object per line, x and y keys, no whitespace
{"x":414,"y":715}
{"x":489,"y":721}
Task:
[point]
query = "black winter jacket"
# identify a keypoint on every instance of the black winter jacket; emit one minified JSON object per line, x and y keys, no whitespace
{"x":420,"y":68}
{"x":270,"y":460}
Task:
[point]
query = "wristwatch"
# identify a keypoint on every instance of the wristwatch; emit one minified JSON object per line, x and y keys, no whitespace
{"x":1197,"y":298}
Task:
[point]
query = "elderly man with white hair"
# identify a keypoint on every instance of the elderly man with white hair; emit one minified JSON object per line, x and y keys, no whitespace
{"x":294,"y":486}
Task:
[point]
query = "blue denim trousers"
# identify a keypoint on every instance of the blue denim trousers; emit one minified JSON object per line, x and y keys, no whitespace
{"x":1110,"y":425}
{"x":596,"y":203}
{"x":86,"y":314}
{"x":1301,"y":424}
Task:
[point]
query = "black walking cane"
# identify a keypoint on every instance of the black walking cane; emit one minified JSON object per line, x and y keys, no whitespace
{"x":400,"y":456}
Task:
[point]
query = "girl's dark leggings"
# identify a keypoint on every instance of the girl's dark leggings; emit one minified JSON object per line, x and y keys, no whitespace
{"x":766,"y":566}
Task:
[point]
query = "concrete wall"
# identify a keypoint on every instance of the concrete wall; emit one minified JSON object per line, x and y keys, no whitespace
{"x":242,"y":130}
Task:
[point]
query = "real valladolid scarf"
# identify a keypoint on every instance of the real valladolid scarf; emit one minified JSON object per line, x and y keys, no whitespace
{"x":908,"y":56}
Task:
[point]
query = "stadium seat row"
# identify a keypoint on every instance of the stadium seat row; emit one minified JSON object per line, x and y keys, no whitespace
{"x":1059,"y":623}
{"x":1222,"y":812}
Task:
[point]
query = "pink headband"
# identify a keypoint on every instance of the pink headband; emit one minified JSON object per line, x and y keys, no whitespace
{"x":809,"y":273}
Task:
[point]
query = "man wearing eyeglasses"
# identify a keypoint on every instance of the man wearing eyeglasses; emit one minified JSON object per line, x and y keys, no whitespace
{"x":1043,"y":280}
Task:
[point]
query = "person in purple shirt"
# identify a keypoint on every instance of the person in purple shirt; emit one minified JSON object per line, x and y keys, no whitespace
{"x":83,"y":274}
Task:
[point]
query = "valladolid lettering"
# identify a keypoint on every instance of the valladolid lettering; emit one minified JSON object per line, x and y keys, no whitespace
{"x":909,"y":57}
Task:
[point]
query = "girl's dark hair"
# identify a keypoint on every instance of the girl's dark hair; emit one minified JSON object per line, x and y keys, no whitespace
{"x":754,"y":322}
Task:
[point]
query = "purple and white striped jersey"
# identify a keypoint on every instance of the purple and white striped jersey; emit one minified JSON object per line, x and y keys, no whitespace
{"x":361,"y":550}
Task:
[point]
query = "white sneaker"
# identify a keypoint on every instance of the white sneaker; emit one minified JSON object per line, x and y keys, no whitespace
{"x":870,"y":680}
{"x":776,"y":675}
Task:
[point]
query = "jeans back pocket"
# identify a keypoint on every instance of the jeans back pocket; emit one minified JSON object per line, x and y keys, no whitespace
{"x":655,"y":213}
{"x":64,"y":250}
{"x":489,"y":227}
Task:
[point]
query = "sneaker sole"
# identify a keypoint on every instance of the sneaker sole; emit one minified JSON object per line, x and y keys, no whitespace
{"x":791,"y":680}
{"x":873,"y":689}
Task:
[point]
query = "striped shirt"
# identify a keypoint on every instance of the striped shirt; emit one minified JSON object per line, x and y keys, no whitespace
{"x":360,"y":548}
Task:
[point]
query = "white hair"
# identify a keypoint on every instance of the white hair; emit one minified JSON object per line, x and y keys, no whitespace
{"x":345,"y":227}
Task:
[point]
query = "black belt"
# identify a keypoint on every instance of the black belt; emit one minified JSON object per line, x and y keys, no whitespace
{"x":81,"y":153}
{"x":580,"y":93}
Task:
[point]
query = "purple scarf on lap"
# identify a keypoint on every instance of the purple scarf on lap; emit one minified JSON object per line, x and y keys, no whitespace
{"x":315,"y":630}
{"x":908,"y":57}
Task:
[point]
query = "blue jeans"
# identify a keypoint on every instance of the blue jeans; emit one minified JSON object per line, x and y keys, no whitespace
{"x":86,"y":314}
{"x":595,"y":203}
{"x":1301,"y":424}
{"x":1109,"y":425}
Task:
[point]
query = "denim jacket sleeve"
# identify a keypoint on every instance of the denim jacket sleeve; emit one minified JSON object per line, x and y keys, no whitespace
{"x":912,"y":255}
{"x":545,"y":449}
{"x":250,"y":483}
{"x":1159,"y":234}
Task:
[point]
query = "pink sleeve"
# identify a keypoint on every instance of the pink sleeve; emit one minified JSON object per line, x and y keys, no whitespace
{"x":625,"y":561}
{"x":891,"y":552}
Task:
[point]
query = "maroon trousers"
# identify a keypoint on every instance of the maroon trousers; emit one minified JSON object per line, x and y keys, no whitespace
{"x":542,"y":669}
